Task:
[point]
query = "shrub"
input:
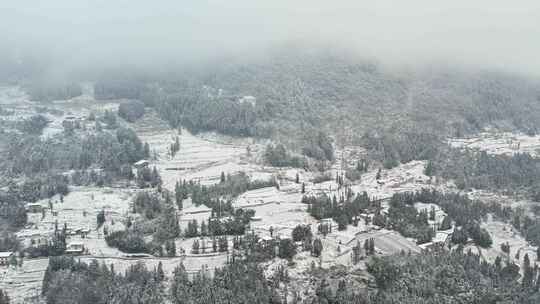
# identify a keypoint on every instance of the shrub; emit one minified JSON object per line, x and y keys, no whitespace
{"x":131,"y":110}
{"x":127,"y":241}
{"x":287,"y":249}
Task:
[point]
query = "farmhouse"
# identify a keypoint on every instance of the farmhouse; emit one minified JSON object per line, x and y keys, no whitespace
{"x":85,"y":232}
{"x":265,"y":238}
{"x":441,"y":240}
{"x":38,"y":240}
{"x":75,"y":248}
{"x":143,"y":163}
{"x":4,"y":257}
{"x":329,"y":222}
{"x":34,"y":208}
{"x":248,"y":99}
{"x":196,"y":209}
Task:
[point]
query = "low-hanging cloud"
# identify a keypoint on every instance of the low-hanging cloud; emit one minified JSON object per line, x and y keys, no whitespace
{"x":93,"y":33}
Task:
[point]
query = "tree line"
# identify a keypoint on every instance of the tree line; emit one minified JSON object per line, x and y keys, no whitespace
{"x":218,"y":196}
{"x":344,"y":211}
{"x":467,"y":215}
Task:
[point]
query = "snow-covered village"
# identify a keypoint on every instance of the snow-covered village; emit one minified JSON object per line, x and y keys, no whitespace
{"x":175,"y":154}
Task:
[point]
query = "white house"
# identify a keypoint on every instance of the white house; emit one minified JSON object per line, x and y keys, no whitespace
{"x":34,"y":208}
{"x":4,"y":257}
{"x":75,"y":248}
{"x":248,"y":99}
{"x":143,"y":163}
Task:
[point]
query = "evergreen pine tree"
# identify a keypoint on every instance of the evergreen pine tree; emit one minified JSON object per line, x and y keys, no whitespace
{"x":146,"y":150}
{"x":366,"y":247}
{"x":432,"y":213}
{"x":317,"y":247}
{"x":4,"y":299}
{"x":222,"y":178}
{"x":160,"y":273}
{"x":527,"y":272}
{"x":428,"y":169}
{"x":195,"y":247}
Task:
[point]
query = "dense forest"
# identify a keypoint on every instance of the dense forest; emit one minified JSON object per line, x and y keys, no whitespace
{"x":298,"y":92}
{"x":344,"y":211}
{"x":473,"y":169}
{"x":451,"y":277}
{"x":466,"y":213}
{"x":131,"y":110}
{"x":219,"y":197}
{"x":109,"y":151}
{"x":314,"y":101}
{"x":435,"y":277}
{"x":46,"y":92}
{"x":240,"y":281}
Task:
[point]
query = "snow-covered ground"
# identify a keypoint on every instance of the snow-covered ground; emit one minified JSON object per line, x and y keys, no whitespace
{"x":13,"y":96}
{"x":23,"y":282}
{"x":79,"y":210}
{"x":500,"y":143}
{"x":502,"y":233}
{"x":199,"y":159}
{"x":18,"y":106}
{"x":203,"y":157}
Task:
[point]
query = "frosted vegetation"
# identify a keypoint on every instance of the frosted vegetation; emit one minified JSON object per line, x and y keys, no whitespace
{"x":310,"y":178}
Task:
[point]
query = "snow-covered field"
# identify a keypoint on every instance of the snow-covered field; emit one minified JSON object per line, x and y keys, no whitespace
{"x":13,"y":96}
{"x":19,"y":107}
{"x":79,"y":210}
{"x":502,"y":233}
{"x":23,"y":282}
{"x":500,"y":143}
{"x":199,"y":159}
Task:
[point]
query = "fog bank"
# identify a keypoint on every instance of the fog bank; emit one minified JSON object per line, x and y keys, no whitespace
{"x":85,"y":34}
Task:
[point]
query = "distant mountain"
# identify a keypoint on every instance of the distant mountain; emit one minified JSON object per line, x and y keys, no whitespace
{"x":340,"y":93}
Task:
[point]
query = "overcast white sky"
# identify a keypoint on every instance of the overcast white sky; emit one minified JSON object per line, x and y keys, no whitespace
{"x":498,"y":33}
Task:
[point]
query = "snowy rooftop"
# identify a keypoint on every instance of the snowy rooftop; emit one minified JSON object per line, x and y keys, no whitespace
{"x":141,"y":162}
{"x":440,"y":237}
{"x":75,"y":244}
{"x":33,"y":205}
{"x":196,"y":209}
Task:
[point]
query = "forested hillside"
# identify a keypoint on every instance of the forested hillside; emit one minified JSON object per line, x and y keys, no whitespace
{"x":297,"y":92}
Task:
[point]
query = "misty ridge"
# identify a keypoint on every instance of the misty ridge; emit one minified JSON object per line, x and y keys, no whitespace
{"x":375,"y":61}
{"x":302,"y":87}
